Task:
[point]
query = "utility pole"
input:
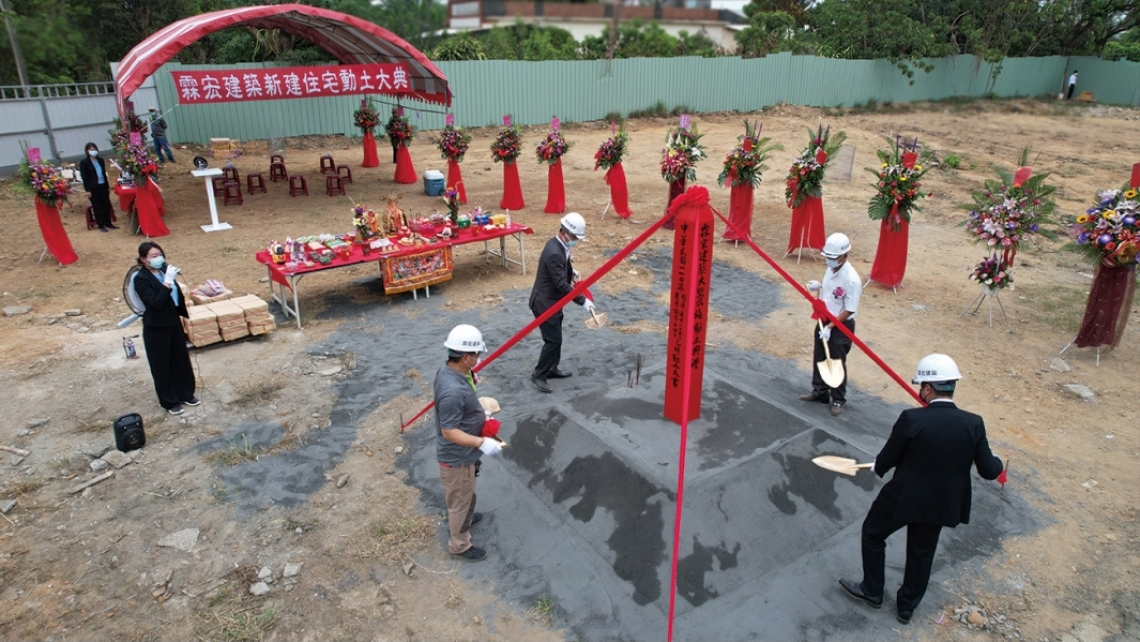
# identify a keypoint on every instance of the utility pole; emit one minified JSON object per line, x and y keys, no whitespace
{"x":21,"y":70}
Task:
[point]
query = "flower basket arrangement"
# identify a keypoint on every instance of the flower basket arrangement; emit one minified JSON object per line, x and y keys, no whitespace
{"x":45,"y":182}
{"x":899,"y":183}
{"x":507,"y":145}
{"x":399,"y":129}
{"x":366,"y":118}
{"x":137,"y":160}
{"x":745,"y":163}
{"x":453,"y":143}
{"x":551,"y":148}
{"x":1108,"y":233}
{"x":1008,"y":212}
{"x":611,"y":151}
{"x":992,"y":273}
{"x":682,"y":152}
{"x":805,"y":177}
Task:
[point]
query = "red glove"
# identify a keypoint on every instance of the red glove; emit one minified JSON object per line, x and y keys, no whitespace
{"x":1002,"y":479}
{"x":492,"y":425}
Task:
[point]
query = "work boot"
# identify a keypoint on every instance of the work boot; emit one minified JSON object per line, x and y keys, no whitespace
{"x":836,"y":409}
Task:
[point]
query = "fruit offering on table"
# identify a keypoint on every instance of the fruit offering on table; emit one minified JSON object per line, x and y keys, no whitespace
{"x":276,"y":252}
{"x":324,"y":256}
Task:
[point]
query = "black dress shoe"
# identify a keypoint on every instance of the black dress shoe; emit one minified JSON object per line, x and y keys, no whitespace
{"x":476,"y":518}
{"x":113,"y":226}
{"x":855,"y":590}
{"x":904,"y":616}
{"x":540,"y":383}
{"x":473,"y":554}
{"x":816,"y":397}
{"x":558,"y":374}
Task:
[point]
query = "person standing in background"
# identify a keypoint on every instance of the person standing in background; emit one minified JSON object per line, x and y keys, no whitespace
{"x":158,"y":133}
{"x":93,"y":172}
{"x":1072,"y":85}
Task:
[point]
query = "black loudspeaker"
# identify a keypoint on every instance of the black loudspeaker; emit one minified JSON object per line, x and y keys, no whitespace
{"x":129,"y":434}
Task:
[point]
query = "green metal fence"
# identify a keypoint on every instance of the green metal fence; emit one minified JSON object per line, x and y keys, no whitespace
{"x":589,"y":90}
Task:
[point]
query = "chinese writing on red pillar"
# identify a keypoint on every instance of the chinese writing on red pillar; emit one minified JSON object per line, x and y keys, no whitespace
{"x":692,"y":261}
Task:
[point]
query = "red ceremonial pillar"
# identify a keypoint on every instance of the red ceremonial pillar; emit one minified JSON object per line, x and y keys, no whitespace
{"x":55,"y":237}
{"x":455,"y":180}
{"x":890,"y":258}
{"x":555,"y":189}
{"x":619,"y":192}
{"x":739,"y":213}
{"x":807,"y":225}
{"x":371,"y":158}
{"x":676,"y":188}
{"x":405,"y":171}
{"x":151,"y":208}
{"x":512,"y":189}
{"x":692,"y":263}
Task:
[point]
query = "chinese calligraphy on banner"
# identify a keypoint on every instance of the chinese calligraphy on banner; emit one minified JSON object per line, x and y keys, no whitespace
{"x":692,"y":261}
{"x":240,"y":85}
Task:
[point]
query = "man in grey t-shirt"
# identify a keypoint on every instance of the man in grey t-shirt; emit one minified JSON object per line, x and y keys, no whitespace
{"x":459,"y":419}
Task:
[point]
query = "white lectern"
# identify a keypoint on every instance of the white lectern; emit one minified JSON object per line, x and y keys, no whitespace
{"x":208,"y":174}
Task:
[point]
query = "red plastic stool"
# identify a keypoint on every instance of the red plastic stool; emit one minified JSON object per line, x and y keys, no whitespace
{"x":233,"y":193}
{"x":327,"y":165}
{"x":254,"y":182}
{"x":277,"y":172}
{"x":276,"y":158}
{"x":219,"y":183}
{"x":297,"y":185}
{"x":333,"y":185}
{"x":344,"y":172}
{"x":231,"y":174}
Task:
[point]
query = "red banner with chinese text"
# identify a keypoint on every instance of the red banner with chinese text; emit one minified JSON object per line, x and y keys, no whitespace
{"x":275,"y":83}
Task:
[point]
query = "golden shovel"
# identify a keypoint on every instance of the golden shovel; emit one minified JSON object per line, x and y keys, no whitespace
{"x":597,"y":320}
{"x":840,"y":465}
{"x":830,"y":370}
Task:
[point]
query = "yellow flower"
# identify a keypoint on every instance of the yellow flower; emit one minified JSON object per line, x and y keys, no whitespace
{"x":902,"y":178}
{"x":918,"y":168}
{"x":1109,"y":215}
{"x":1082,"y":219}
{"x":884,"y":165}
{"x":1130,"y":194}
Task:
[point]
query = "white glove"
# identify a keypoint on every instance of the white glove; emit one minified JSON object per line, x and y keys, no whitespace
{"x":171,"y":272}
{"x":814,"y":286}
{"x":825,"y":334}
{"x":589,"y":305}
{"x":490,"y":446}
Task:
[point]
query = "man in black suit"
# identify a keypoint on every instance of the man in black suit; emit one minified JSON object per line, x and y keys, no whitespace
{"x":932,"y":449}
{"x":554,"y":279}
{"x":93,"y":171}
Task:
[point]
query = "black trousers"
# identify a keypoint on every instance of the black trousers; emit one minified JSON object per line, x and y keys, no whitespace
{"x":551,"y":354}
{"x":921,"y":543}
{"x":101,"y":204}
{"x":169,"y":365}
{"x":839,"y":345}
{"x":1072,"y":88}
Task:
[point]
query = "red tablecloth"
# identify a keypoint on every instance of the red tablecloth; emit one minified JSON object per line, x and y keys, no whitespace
{"x":55,"y":237}
{"x":279,"y":274}
{"x":126,"y":196}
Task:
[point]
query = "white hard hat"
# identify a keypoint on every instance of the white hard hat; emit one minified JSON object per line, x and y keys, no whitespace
{"x":465,"y":338}
{"x":837,"y":245}
{"x":575,"y":224}
{"x":937,"y":369}
{"x":152,"y":108}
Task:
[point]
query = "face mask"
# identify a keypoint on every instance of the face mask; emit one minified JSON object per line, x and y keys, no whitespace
{"x":157,"y":262}
{"x":572,"y":244}
{"x":92,"y":153}
{"x":832,"y":263}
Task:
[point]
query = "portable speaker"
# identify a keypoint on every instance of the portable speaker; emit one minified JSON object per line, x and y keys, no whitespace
{"x":129,"y":434}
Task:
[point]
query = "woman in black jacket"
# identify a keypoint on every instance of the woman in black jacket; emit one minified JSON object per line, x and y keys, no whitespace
{"x":163,"y":336}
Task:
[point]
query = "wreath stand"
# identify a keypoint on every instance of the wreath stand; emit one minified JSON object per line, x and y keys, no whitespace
{"x":1107,"y":310}
{"x":991,"y":294}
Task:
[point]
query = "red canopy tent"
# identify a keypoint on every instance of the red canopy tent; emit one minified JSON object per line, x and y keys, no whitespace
{"x":350,"y":39}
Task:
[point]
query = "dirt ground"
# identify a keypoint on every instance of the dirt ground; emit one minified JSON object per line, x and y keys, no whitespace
{"x":87,"y":565}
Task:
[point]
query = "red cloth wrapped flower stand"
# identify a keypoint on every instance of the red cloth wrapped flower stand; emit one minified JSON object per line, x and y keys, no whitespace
{"x":371,"y":157}
{"x":512,"y":189}
{"x":555,"y":189}
{"x":739,"y":213}
{"x":56,"y":240}
{"x":455,"y":180}
{"x":807,"y":226}
{"x":619,"y":192}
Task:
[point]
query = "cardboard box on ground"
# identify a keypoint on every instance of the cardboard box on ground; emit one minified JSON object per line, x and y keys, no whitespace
{"x":226,"y":319}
